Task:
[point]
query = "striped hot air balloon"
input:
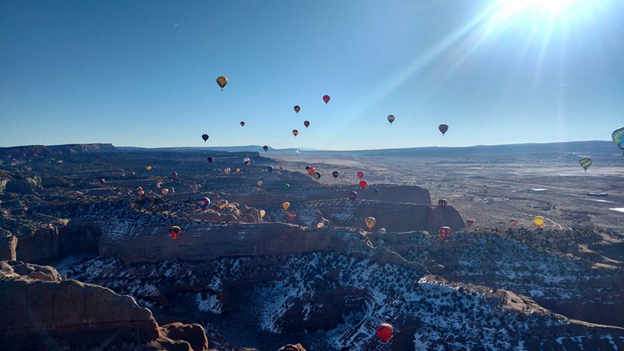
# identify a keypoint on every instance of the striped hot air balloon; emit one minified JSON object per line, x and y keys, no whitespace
{"x":223,"y":204}
{"x":618,"y":137}
{"x":370,"y":222}
{"x":585,"y":162}
{"x":445,"y":232}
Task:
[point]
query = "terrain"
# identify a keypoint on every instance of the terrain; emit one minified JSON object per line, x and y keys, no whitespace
{"x":76,"y":236}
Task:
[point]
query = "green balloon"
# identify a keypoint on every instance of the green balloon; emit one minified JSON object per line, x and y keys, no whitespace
{"x":286,"y":186}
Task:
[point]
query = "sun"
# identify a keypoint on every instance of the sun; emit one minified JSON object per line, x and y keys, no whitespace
{"x":562,"y":10}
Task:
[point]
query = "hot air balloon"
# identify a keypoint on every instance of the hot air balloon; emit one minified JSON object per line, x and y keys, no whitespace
{"x":102,"y":181}
{"x":360,"y":174}
{"x":242,"y":123}
{"x":295,"y":132}
{"x":469,"y":222}
{"x":174,"y":231}
{"x":370,"y":222}
{"x":165,"y":192}
{"x":326,"y":98}
{"x":443,"y":128}
{"x":149,"y":168}
{"x":246,"y":161}
{"x":140,"y":191}
{"x":262,"y":213}
{"x":270,"y":169}
{"x":222,"y":204}
{"x":292,"y":215}
{"x":174,"y":175}
{"x":432,"y":206}
{"x":237,"y":170}
{"x":353,"y":195}
{"x":311,"y":170}
{"x":210,"y":159}
{"x":384,"y":331}
{"x":391,"y":118}
{"x":382,"y":231}
{"x":281,"y":166}
{"x":442,"y":203}
{"x":485,"y":189}
{"x":203,"y":202}
{"x":222,"y":82}
{"x":265,"y":148}
{"x":445,"y":232}
{"x":363,"y":184}
{"x":585,"y":163}
{"x":286,"y":205}
{"x":227,"y":171}
{"x":513,"y":222}
{"x":306,"y":123}
{"x":297,"y":108}
{"x":618,"y":137}
{"x":335,"y":174}
{"x":316,"y":176}
{"x":538,"y":221}
{"x":205,"y":137}
{"x":259,"y":183}
{"x":286,"y":186}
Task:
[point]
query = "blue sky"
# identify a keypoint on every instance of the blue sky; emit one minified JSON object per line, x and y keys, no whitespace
{"x":136,"y":73}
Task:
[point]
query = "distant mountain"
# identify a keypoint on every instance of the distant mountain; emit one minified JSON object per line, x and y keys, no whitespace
{"x":41,"y":150}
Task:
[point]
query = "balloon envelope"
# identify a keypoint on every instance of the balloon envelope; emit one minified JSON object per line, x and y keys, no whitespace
{"x":165,"y":191}
{"x":259,"y":183}
{"x":306,"y":124}
{"x":149,"y":168}
{"x":363,"y":184}
{"x":222,"y":204}
{"x":618,"y":137}
{"x":445,"y":232}
{"x":227,"y":171}
{"x":335,"y":174}
{"x":270,"y":169}
{"x":295,"y":132}
{"x":242,"y":123}
{"x":247,"y":161}
{"x":174,"y":231}
{"x":384,"y":331}
{"x":297,"y":108}
{"x":513,"y":222}
{"x":286,"y":205}
{"x":222,"y":81}
{"x":286,"y":186}
{"x":262,"y":213}
{"x":360,"y":174}
{"x":203,"y":202}
{"x":311,"y":170}
{"x":585,"y":163}
{"x":538,"y":221}
{"x":205,"y":137}
{"x":391,"y":118}
{"x":174,"y":175}
{"x":370,"y":222}
{"x":442,"y":203}
{"x":353,"y":195}
{"x":210,"y":159}
{"x":265,"y":148}
{"x":443,"y":128}
{"x":316,"y":176}
{"x":326,"y":98}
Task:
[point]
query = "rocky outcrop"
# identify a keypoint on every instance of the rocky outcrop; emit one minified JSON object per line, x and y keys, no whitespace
{"x":42,"y":151}
{"x":291,"y":347}
{"x":8,"y":246}
{"x":36,"y":304}
{"x":22,"y":185}
{"x":193,"y":334}
{"x":41,"y":246}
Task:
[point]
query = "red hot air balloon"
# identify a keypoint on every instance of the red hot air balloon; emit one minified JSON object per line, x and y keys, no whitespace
{"x":360,"y":174}
{"x":311,"y":170}
{"x":174,"y":175}
{"x":242,"y":123}
{"x":295,"y":132}
{"x":443,"y":129}
{"x":445,"y":232}
{"x":174,"y":231}
{"x":326,"y":98}
{"x":513,"y":222}
{"x":384,"y":331}
{"x":363,"y":184}
{"x":469,"y":222}
{"x":297,"y":108}
{"x":292,"y":215}
{"x":306,"y":124}
{"x":442,"y":203}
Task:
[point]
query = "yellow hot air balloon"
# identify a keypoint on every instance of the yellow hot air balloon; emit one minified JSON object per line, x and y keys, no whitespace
{"x":222,"y":81}
{"x":238,"y":170}
{"x":149,"y":168}
{"x":539,"y":221}
{"x":262,"y":213}
{"x":286,"y":205}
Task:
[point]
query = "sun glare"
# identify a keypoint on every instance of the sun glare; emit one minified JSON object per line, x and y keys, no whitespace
{"x":554,"y":10}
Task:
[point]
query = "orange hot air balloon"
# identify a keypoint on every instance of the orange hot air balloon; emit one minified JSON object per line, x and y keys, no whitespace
{"x":222,"y":82}
{"x":326,"y":98}
{"x":538,"y":221}
{"x":306,"y":124}
{"x":295,"y":132}
{"x":363,"y":184}
{"x":311,"y":170}
{"x":384,"y":331}
{"x":165,"y":192}
{"x":297,"y":108}
{"x":286,"y":205}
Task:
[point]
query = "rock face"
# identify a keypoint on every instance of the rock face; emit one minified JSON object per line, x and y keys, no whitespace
{"x":8,"y":245}
{"x":193,"y":334}
{"x":291,"y":347}
{"x":36,"y":303}
{"x":22,"y":185}
{"x":42,"y":151}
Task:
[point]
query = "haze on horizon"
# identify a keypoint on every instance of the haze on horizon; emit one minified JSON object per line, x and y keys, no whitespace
{"x":128,"y":73}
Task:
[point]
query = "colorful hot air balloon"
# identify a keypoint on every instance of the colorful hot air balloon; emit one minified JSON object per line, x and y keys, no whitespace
{"x":618,"y":137}
{"x":222,"y":204}
{"x":246,"y":161}
{"x":140,"y":191}
{"x":149,"y":168}
{"x":306,"y":123}
{"x":242,"y":123}
{"x":295,"y":132}
{"x":286,"y":186}
{"x":485,"y":189}
{"x":227,"y":171}
{"x":469,"y":222}
{"x":262,"y":213}
{"x":443,"y":128}
{"x":335,"y":174}
{"x":513,"y":222}
{"x":316,"y":176}
{"x":203,"y":202}
{"x":174,"y":231}
{"x":538,"y":221}
{"x":391,"y":118}
{"x":174,"y":175}
{"x":442,"y":203}
{"x":326,"y":98}
{"x":210,"y":159}
{"x":222,"y":81}
{"x":259,"y":183}
{"x":311,"y":170}
{"x":370,"y":222}
{"x":585,"y":163}
{"x":353,"y":195}
{"x":360,"y":174}
{"x":102,"y":181}
{"x":445,"y":232}
{"x":165,"y":192}
{"x":286,"y":205}
{"x":297,"y":108}
{"x":384,"y":331}
{"x":265,"y":148}
{"x":270,"y":169}
{"x":205,"y":137}
{"x":363,"y":184}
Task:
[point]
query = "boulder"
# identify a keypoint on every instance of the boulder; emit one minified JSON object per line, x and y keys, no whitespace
{"x":194,"y":334}
{"x":22,"y":185}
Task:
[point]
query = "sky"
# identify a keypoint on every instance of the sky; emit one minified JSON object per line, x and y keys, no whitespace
{"x":136,"y":73}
